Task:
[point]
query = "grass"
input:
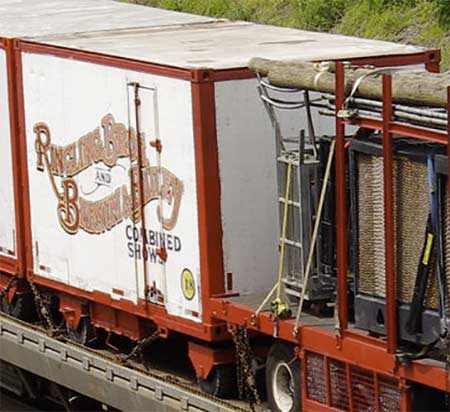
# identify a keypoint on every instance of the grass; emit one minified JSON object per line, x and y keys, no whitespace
{"x":419,"y":22}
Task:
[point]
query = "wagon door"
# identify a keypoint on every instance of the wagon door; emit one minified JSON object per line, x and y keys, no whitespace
{"x":147,"y":182}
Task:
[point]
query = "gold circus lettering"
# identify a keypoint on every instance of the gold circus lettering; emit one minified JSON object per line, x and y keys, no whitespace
{"x":108,"y":143}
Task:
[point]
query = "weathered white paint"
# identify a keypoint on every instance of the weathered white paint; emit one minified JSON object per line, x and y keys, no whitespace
{"x":72,"y":97}
{"x":7,"y":211}
{"x":225,"y":44}
{"x":250,"y":216}
{"x":30,"y":18}
{"x":172,"y":38}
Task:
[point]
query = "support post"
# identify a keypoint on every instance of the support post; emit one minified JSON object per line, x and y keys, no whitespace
{"x":341,"y":209}
{"x":389,"y":233}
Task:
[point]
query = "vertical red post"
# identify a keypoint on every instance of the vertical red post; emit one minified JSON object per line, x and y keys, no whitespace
{"x":389,"y":233}
{"x":433,"y":65}
{"x":405,"y":398}
{"x":341,"y":209}
{"x":376,"y":385}
{"x":348,"y":377}
{"x":21,"y":191}
{"x":208,"y":188}
{"x":326,"y":364}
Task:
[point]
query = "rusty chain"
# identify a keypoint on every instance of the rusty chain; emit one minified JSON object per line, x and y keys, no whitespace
{"x":138,"y":349}
{"x":42,"y":309}
{"x":164,"y":377}
{"x":244,"y":356}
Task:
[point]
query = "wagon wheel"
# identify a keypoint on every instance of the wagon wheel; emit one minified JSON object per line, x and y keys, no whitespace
{"x":85,"y":334}
{"x":221,"y":381}
{"x":21,"y":307}
{"x":283,"y":379}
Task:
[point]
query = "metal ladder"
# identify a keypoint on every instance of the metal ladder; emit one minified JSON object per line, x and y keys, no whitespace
{"x":302,"y":152}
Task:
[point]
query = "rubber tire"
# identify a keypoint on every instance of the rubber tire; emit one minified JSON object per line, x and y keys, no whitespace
{"x":85,"y":334}
{"x":221,"y":381}
{"x":279,"y":353}
{"x":21,"y":307}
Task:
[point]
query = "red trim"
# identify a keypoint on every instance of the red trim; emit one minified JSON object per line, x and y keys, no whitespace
{"x":341,"y":208}
{"x":150,"y":311}
{"x":72,"y":309}
{"x":208,"y":189}
{"x":97,"y":58}
{"x":376,"y":390}
{"x":430,"y":58}
{"x":23,"y":243}
{"x":405,"y":396}
{"x":232,"y":74}
{"x":308,"y":405}
{"x":355,"y":348}
{"x":416,"y":132}
{"x":204,"y":358}
{"x":348,"y":376}
{"x":21,"y":167}
{"x":391,"y":283}
{"x":8,"y":265}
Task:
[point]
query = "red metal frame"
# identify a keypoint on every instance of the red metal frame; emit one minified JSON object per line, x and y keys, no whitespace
{"x":341,"y":206}
{"x":12,"y":265}
{"x":208,"y":184}
{"x":204,"y":358}
{"x":388,"y":162}
{"x":208,"y":189}
{"x":349,"y":346}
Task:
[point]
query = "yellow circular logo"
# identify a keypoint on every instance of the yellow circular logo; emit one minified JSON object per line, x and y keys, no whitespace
{"x":188,"y":284}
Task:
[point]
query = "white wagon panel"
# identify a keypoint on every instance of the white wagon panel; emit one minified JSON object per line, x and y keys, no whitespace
{"x":247,"y":164}
{"x":105,"y":252}
{"x":7,"y":210}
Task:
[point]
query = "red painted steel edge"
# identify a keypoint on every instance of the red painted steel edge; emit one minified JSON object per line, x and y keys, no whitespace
{"x":416,"y":132}
{"x":208,"y":188}
{"x":389,"y":234}
{"x":312,"y":406}
{"x":431,"y":58}
{"x":21,"y":165}
{"x":10,"y":265}
{"x":105,"y":60}
{"x":341,"y":211}
{"x":14,"y":90}
{"x":150,"y":311}
{"x":132,"y":64}
{"x":355,"y":348}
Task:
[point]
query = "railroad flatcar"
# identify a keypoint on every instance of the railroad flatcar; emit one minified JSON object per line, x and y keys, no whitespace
{"x":140,"y":189}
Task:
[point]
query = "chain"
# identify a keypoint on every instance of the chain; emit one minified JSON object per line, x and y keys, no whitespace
{"x":245,"y":375}
{"x":158,"y":375}
{"x":138,"y":349}
{"x":8,"y":287}
{"x":42,"y":308}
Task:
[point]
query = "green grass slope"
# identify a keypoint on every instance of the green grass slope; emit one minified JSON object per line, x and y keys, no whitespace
{"x":420,"y":22}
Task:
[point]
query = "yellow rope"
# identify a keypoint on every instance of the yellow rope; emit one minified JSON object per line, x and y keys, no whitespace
{"x":284,"y":228}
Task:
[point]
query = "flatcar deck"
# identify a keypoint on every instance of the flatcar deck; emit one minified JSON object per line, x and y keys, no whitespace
{"x":98,"y":375}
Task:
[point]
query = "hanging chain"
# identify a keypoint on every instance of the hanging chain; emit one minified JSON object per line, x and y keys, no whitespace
{"x":138,"y":350}
{"x":245,"y":376}
{"x":42,"y":309}
{"x":8,"y":287}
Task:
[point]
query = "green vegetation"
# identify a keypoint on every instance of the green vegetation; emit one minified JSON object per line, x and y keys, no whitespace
{"x":421,"y":22}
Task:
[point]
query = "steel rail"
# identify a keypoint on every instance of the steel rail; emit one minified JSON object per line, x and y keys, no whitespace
{"x":98,"y":376}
